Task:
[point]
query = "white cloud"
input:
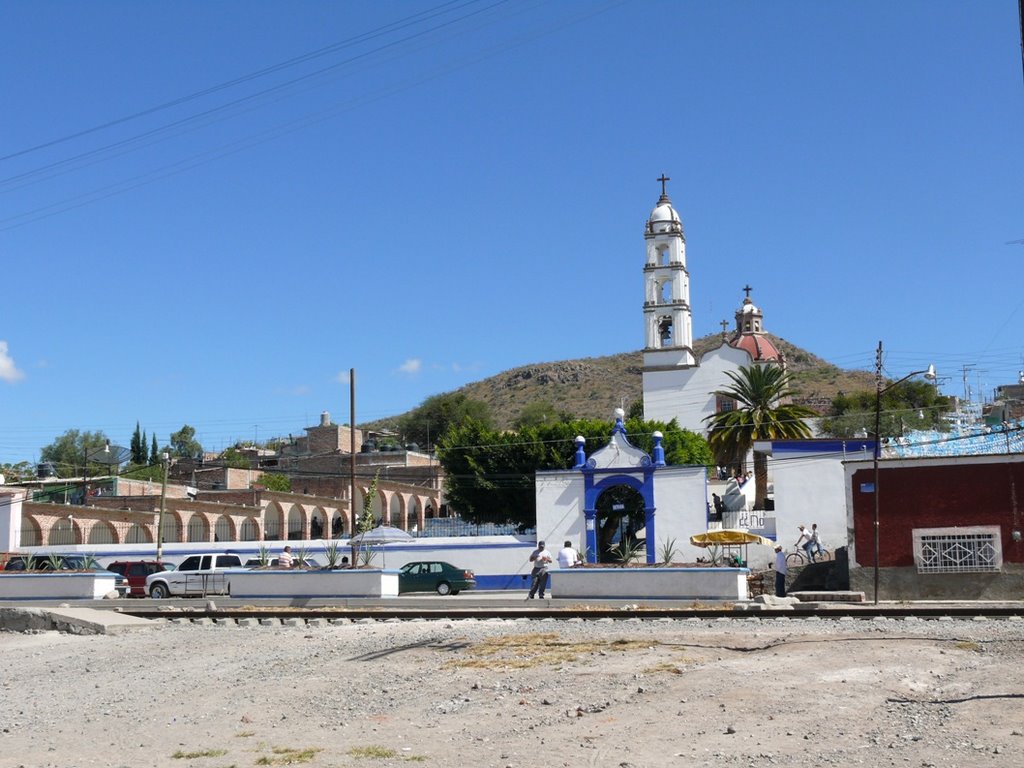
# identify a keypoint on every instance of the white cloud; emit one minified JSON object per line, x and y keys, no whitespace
{"x":411,"y":366}
{"x":343,"y":378}
{"x":8,"y":370}
{"x":301,"y":390}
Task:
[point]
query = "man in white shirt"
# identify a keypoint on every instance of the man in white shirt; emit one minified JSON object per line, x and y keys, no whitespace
{"x":541,"y":559}
{"x":781,"y":571}
{"x":568,"y":557}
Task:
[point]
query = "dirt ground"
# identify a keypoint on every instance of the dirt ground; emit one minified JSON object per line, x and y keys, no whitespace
{"x":520,"y":693}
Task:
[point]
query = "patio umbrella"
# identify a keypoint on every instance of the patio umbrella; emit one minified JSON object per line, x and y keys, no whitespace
{"x":382,"y":534}
{"x":728,"y":536}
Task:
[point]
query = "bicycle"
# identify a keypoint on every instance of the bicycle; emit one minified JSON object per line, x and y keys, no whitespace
{"x":798,"y":558}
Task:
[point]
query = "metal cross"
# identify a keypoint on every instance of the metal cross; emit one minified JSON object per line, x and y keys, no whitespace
{"x":748,"y":289}
{"x":663,"y":179}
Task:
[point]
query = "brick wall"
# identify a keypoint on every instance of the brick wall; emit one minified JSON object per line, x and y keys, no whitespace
{"x":936,"y":493}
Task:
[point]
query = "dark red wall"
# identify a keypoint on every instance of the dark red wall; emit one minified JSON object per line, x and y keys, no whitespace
{"x":954,"y":494}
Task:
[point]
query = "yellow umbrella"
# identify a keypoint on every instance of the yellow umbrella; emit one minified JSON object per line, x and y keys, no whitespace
{"x":727,"y":537}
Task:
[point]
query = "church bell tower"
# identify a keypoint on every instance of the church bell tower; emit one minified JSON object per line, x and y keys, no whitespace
{"x":668,"y":323}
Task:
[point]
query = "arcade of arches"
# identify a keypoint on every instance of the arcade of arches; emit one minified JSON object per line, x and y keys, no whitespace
{"x":273,"y":517}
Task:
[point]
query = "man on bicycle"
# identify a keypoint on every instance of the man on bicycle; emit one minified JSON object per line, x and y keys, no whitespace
{"x":816,"y":547}
{"x":807,"y":543}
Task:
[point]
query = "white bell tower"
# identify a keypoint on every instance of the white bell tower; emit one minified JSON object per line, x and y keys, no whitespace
{"x":668,"y":324}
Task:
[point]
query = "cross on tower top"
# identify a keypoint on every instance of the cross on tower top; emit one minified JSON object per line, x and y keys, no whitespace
{"x":663,"y":179}
{"x":724,"y":325}
{"x":747,"y":289}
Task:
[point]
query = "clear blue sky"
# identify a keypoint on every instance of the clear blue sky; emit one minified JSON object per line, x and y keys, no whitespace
{"x":431,"y":194}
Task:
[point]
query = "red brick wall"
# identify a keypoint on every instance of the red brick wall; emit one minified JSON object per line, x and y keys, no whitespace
{"x":933,"y":496}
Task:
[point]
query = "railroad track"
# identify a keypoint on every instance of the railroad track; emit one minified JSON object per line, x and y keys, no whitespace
{"x":379,"y":612}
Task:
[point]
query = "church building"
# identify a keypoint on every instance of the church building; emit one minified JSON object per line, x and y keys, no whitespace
{"x":675,"y":384}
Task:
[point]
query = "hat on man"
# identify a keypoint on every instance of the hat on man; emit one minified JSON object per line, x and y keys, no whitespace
{"x":540,"y":543}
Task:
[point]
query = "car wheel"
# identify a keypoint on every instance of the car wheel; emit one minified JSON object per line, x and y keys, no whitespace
{"x":159,"y":591}
{"x":444,"y":588}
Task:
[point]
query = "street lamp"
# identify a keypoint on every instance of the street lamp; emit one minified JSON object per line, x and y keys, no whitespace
{"x":929,"y":373}
{"x":165,"y":459}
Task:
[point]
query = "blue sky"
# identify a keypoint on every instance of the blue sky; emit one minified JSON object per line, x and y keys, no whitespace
{"x":210,"y":212}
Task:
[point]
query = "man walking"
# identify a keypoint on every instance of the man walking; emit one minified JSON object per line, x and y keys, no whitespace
{"x":541,"y":559}
{"x":781,"y":571}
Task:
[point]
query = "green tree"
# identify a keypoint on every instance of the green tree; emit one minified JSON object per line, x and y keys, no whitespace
{"x":235,"y":459}
{"x":366,"y":521}
{"x":758,"y":391}
{"x":489,"y":474}
{"x":16,"y":473}
{"x":154,"y":452}
{"x":275,"y":482}
{"x":426,"y":423}
{"x":68,"y":453}
{"x":138,"y":446}
{"x":184,"y":444}
{"x":909,"y":405}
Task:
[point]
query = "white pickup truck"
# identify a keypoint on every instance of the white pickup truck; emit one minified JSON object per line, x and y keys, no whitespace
{"x":197,"y":575}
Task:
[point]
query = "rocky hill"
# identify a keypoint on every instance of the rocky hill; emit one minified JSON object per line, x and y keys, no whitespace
{"x":591,"y":387}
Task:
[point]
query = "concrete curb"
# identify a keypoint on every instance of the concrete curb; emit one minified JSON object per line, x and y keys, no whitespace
{"x":75,"y":621}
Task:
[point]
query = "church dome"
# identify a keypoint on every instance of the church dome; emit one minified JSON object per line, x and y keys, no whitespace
{"x":664,"y":218}
{"x":664,"y":212}
{"x":757,"y":346}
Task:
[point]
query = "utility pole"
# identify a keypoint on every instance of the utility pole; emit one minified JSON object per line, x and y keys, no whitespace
{"x":165,"y":460}
{"x":352,"y":455}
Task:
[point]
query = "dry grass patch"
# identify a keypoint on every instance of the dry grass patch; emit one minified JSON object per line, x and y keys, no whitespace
{"x":289,"y":756}
{"x":182,"y":755}
{"x":372,"y":751}
{"x":538,"y":648}
{"x":968,"y":645}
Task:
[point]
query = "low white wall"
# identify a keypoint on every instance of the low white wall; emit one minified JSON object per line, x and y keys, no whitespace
{"x":56,"y":586}
{"x":650,"y":583}
{"x":316,"y":583}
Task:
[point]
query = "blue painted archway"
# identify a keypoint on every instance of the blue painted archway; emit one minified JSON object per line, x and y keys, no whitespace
{"x":618,"y":463}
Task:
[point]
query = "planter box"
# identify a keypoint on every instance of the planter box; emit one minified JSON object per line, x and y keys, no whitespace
{"x":650,"y":583}
{"x":315,"y":583}
{"x":56,"y":586}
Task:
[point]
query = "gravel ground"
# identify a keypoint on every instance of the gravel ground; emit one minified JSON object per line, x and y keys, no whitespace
{"x":520,"y":693}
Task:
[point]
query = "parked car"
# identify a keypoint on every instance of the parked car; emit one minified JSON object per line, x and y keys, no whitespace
{"x":434,"y":576}
{"x":136,"y":571}
{"x":45,"y":561}
{"x":56,"y":562}
{"x":195,"y":575}
{"x":308,"y":562}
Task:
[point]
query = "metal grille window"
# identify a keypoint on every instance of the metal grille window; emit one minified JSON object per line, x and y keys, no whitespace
{"x":958,"y":550}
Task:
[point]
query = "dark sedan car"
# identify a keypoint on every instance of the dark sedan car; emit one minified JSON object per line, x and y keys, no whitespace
{"x":434,"y":576}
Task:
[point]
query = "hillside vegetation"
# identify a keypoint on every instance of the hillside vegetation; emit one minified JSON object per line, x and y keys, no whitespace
{"x":591,"y":387}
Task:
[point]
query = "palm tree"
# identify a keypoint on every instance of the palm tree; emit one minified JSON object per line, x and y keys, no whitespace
{"x":759,"y":415}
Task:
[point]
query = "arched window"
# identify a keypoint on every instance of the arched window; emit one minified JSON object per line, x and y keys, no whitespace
{"x":198,"y":529}
{"x":138,"y":534}
{"x":63,"y":533}
{"x":224,"y":530}
{"x":30,"y":533}
{"x":102,"y":533}
{"x":250,"y":530}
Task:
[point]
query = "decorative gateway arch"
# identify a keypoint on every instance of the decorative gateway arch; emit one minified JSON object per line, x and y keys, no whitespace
{"x":674,"y":497}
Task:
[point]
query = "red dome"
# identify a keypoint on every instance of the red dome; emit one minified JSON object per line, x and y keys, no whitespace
{"x":757,"y":346}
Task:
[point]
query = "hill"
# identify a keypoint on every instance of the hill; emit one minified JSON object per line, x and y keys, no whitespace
{"x":590,"y":387}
